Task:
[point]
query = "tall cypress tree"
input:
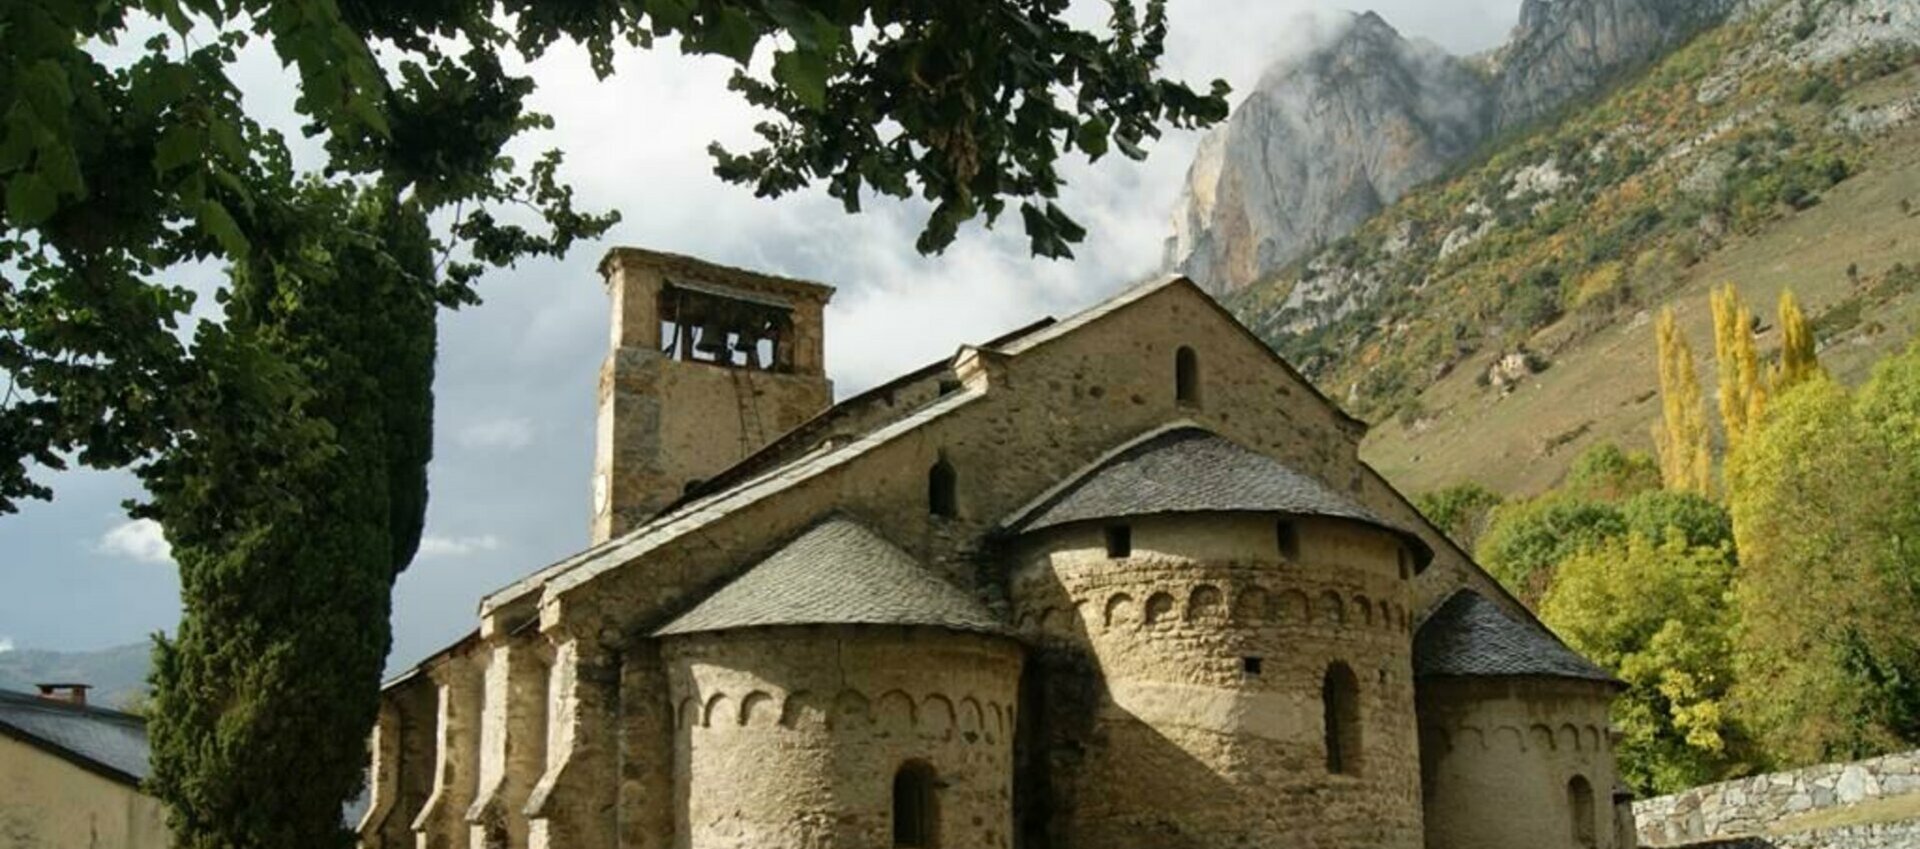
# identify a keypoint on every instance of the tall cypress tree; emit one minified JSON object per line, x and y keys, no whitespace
{"x":293,"y":502}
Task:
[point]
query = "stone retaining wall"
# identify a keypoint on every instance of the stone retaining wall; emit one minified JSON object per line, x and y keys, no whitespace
{"x":1748,"y":806}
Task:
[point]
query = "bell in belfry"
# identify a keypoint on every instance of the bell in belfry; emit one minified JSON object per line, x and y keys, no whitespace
{"x":713,"y":340}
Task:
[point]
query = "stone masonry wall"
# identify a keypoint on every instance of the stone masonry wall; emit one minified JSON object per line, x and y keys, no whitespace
{"x":1517,"y":763}
{"x":790,"y":738}
{"x":1173,"y":740}
{"x":1749,"y":806}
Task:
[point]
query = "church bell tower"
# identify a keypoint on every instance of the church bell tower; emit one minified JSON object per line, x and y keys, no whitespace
{"x":707,"y":365}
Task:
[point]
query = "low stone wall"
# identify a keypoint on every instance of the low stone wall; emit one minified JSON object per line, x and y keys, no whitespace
{"x":1750,"y":806}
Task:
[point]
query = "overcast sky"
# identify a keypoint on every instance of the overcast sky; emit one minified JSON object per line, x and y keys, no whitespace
{"x":516,"y":375}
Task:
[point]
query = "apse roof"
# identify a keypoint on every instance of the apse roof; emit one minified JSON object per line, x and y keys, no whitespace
{"x":1471,"y":636}
{"x":839,"y":572}
{"x":1192,"y":470}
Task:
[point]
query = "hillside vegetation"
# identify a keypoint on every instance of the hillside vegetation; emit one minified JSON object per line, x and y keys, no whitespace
{"x":1496,"y":322}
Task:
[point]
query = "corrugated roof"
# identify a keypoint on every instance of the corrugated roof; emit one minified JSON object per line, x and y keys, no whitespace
{"x":108,"y":742}
{"x":1471,"y":636}
{"x":1192,"y":470}
{"x":839,"y":572}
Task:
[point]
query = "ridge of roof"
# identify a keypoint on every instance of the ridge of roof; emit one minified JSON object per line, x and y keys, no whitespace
{"x":691,"y":512}
{"x":1472,"y":636}
{"x":836,"y":572}
{"x":107,"y":742}
{"x":1185,"y":468}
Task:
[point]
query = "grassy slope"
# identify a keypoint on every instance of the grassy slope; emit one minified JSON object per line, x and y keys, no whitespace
{"x":1600,"y":388}
{"x":1574,"y":274}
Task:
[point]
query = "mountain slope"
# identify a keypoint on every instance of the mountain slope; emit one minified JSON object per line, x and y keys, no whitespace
{"x":1320,"y":146}
{"x":1771,"y":150}
{"x":1327,"y":139}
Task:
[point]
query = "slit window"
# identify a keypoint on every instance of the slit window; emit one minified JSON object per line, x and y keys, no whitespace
{"x":942,"y":490}
{"x":915,"y":818}
{"x":1186,"y":376}
{"x":1340,"y":704}
{"x":1580,"y":809}
{"x":1119,"y":541}
{"x":1250,"y":665}
{"x":1287,"y":539}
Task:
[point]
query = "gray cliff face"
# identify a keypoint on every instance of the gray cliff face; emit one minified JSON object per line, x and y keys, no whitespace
{"x":1320,"y":146}
{"x":1328,"y":139}
{"x":1562,"y":49}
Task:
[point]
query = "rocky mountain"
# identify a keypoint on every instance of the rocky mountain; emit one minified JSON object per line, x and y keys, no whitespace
{"x":1320,"y":146}
{"x":1329,"y":138}
{"x":1561,"y":49}
{"x":1496,"y":320}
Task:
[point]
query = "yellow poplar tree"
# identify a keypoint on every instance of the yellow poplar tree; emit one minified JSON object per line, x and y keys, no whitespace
{"x":1743,"y":394}
{"x":1685,"y":460}
{"x":1797,"y":358}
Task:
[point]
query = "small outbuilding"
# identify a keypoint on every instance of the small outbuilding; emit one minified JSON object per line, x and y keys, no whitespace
{"x":70,"y":775}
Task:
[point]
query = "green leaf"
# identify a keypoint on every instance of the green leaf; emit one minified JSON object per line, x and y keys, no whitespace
{"x":804,"y":73}
{"x":219,"y":223}
{"x":731,"y":34}
{"x":178,"y":145}
{"x":30,"y":199}
{"x":670,"y":14}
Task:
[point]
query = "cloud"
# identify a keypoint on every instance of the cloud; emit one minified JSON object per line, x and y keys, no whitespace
{"x":6,"y":644}
{"x":444,"y":546}
{"x":509,"y":434}
{"x":138,"y":539}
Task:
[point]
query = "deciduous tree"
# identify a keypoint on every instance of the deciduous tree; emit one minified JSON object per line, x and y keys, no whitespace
{"x":1686,"y":462}
{"x":1798,"y":357}
{"x":1743,"y":392}
{"x":1824,"y":496}
{"x":1655,"y":612}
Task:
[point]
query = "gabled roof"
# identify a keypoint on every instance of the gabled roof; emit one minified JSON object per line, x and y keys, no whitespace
{"x":1472,"y":636}
{"x":1187,"y":469}
{"x":838,"y":572}
{"x":105,"y":742}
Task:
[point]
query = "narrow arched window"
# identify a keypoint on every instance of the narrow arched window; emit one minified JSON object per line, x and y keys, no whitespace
{"x":1186,"y":376}
{"x":1581,"y":813}
{"x":1287,"y":538}
{"x":916,"y":817}
{"x":942,"y":483}
{"x":1340,"y":705}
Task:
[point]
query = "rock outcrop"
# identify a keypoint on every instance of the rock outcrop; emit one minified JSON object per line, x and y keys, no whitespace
{"x":1330,"y":137}
{"x":1562,"y":49}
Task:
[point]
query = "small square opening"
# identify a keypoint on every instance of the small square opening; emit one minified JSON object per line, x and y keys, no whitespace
{"x":1250,"y":665}
{"x":1119,"y":541}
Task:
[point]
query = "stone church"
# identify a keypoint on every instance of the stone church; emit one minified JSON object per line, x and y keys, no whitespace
{"x":1114,"y":582}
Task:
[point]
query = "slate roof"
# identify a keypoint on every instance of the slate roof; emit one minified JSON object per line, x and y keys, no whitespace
{"x":106,"y":742}
{"x":838,"y":572}
{"x":1471,"y":636}
{"x":1193,"y":470}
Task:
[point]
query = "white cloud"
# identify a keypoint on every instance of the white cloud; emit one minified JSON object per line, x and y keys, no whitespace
{"x":502,"y":433}
{"x":444,"y":546}
{"x":137,"y":539}
{"x":6,"y":644}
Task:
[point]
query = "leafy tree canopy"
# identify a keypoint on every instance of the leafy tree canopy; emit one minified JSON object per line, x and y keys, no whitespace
{"x":1461,"y":510}
{"x":116,"y":172}
{"x":1825,"y":496}
{"x":1654,"y":610}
